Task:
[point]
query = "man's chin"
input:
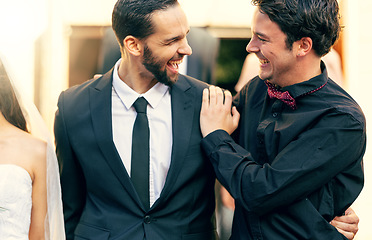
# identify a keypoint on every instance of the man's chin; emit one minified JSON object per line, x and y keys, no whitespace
{"x":263,"y":76}
{"x":169,"y":80}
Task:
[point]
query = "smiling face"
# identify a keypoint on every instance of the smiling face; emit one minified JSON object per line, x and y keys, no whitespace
{"x":165,"y":49}
{"x":277,"y":61}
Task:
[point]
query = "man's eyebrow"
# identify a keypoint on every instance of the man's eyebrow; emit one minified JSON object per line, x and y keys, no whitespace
{"x":260,"y":34}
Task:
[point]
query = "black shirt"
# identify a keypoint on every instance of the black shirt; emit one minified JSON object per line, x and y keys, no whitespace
{"x":293,"y":170}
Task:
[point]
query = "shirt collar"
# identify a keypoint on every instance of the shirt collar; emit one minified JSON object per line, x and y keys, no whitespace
{"x":309,"y":86}
{"x":128,"y":96}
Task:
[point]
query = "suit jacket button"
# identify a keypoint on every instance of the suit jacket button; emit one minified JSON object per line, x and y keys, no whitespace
{"x":147,"y":219}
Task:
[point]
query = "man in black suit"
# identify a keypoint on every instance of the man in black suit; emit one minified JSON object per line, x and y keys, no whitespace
{"x":93,"y":132}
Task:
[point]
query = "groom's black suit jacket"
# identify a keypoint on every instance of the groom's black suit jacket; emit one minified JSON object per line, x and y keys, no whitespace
{"x":99,"y":199}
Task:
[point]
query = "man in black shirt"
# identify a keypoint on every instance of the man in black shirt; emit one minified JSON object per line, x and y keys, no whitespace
{"x":301,"y":136}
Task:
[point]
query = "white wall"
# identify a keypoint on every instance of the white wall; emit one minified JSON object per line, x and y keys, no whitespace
{"x":21,"y":23}
{"x":230,"y":13}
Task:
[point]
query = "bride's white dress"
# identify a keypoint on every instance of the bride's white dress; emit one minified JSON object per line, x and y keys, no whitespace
{"x":15,"y":202}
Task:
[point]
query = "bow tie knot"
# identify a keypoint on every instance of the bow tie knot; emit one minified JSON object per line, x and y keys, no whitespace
{"x":285,"y":97}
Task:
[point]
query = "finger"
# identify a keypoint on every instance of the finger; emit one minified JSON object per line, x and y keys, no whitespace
{"x":350,"y":219}
{"x":352,"y":216}
{"x":341,"y":225}
{"x":96,"y":76}
{"x":349,"y":211}
{"x":228,"y":99}
{"x":205,"y":100}
{"x":219,"y":96}
{"x":212,"y":95}
{"x":347,"y":227}
{"x":236,"y":116}
{"x":348,"y":235}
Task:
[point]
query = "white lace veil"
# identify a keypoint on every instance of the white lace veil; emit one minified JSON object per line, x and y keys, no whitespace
{"x":54,"y":223}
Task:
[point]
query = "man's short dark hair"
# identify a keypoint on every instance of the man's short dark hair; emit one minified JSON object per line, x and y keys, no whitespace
{"x":317,"y":19}
{"x":133,"y":17}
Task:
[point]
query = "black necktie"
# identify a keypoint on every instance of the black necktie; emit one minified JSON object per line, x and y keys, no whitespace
{"x":141,"y":152}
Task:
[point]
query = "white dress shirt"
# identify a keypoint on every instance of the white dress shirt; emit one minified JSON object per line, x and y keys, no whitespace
{"x":160,"y":123}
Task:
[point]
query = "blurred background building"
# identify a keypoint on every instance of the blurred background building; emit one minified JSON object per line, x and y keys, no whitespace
{"x":51,"y":45}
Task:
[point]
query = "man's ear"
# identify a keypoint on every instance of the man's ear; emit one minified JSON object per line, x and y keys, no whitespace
{"x":132,"y":45}
{"x":304,"y":46}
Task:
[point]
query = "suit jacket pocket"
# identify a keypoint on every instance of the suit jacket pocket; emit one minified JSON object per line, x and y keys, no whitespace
{"x":87,"y":231}
{"x":211,"y":235}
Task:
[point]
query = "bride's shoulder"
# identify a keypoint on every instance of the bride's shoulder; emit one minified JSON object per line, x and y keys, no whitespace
{"x":35,"y":148}
{"x":26,"y":141}
{"x":21,"y":148}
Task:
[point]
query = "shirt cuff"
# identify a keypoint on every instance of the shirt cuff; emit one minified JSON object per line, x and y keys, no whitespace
{"x":214,"y":140}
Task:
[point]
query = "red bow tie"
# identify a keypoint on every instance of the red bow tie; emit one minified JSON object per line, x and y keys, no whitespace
{"x":282,"y":96}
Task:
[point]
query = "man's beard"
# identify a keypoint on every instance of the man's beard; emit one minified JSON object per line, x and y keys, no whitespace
{"x":154,"y":67}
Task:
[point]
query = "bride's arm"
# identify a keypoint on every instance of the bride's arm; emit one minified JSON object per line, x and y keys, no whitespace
{"x":39,"y":193}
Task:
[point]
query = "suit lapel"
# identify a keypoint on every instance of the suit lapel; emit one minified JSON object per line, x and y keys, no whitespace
{"x":183,"y":97}
{"x":100,"y":99}
{"x":183,"y":101}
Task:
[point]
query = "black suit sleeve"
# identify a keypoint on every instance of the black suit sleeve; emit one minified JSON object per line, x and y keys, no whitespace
{"x":72,"y":181}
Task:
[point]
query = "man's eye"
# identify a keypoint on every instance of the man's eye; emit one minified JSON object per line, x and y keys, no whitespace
{"x":171,"y":42}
